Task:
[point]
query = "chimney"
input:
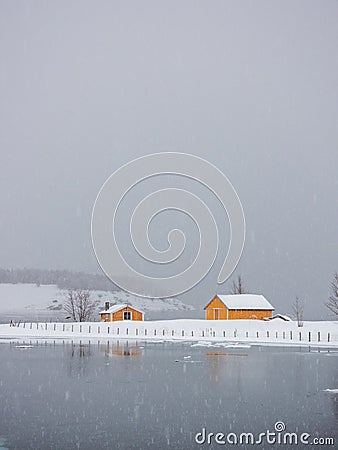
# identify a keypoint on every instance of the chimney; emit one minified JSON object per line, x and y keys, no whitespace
{"x":106,"y":306}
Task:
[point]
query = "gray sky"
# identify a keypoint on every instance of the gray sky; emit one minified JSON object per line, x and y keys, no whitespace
{"x":251,"y":86}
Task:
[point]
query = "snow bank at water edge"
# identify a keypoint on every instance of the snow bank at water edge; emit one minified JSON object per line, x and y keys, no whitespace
{"x":206,"y":332}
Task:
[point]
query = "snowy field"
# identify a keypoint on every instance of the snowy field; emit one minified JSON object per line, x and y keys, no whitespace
{"x":37,"y":313}
{"x":202,"y":332}
{"x":32,"y":302}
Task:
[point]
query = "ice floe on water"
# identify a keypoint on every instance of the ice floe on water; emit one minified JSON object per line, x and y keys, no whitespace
{"x":331,"y":391}
{"x":187,"y":361}
{"x":2,"y":443}
{"x":24,"y":346}
{"x":220,"y":344}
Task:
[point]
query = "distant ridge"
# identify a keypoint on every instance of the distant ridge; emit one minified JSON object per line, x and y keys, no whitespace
{"x":63,"y":279}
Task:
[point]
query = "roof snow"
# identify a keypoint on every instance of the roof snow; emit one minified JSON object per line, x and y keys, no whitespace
{"x":280,"y":317}
{"x":245,"y":301}
{"x":115,"y":308}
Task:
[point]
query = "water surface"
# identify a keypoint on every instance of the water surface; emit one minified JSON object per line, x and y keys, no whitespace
{"x":135,"y":395}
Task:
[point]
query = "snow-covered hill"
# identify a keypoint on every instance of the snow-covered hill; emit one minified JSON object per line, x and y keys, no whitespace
{"x":146,"y":304}
{"x":29,"y":300}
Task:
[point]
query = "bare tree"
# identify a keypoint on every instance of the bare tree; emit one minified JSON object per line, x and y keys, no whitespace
{"x":69,"y":304}
{"x":298,"y":311}
{"x":79,"y":305}
{"x":237,"y":286}
{"x":332,"y":302}
{"x":85,"y":306}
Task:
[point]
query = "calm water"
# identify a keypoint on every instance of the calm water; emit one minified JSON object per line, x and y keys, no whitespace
{"x":148,"y":396}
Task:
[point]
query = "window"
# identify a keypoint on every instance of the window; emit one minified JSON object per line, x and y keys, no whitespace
{"x":127,"y":315}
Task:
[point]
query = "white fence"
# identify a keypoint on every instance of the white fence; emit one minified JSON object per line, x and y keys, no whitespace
{"x":152,"y":330}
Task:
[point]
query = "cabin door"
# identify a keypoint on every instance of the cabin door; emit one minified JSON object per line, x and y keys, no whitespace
{"x":216,"y":314}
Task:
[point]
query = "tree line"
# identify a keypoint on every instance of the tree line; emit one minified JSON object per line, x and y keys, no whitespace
{"x":64,"y":279}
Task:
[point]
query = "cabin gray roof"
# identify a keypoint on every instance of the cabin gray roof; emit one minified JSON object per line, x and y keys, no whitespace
{"x":245,"y":301}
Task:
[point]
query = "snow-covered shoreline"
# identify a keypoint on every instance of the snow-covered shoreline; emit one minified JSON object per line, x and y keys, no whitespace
{"x":274,"y":332}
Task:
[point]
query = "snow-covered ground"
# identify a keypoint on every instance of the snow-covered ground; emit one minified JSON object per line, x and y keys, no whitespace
{"x":32,"y":302}
{"x":203,"y":332}
{"x":37,"y":310}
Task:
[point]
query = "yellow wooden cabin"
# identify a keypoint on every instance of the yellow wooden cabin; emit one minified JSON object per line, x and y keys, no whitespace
{"x":120,"y":312}
{"x":239,"y":306}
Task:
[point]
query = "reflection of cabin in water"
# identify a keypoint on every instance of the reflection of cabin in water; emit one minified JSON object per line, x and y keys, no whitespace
{"x":121,"y":349}
{"x":120,"y":312}
{"x":238,"y":306}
